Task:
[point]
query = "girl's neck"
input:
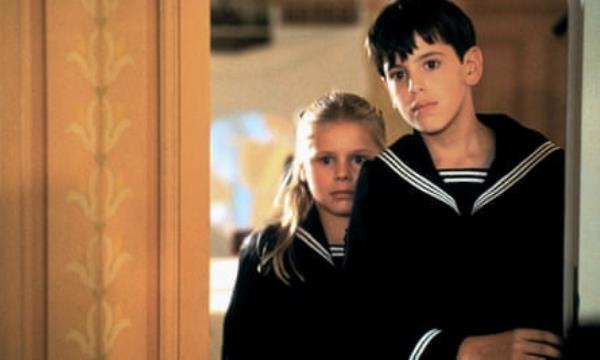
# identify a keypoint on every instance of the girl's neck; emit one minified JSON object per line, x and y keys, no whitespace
{"x":334,"y":227}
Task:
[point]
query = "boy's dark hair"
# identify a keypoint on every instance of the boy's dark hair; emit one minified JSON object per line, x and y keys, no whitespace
{"x":393,"y":32}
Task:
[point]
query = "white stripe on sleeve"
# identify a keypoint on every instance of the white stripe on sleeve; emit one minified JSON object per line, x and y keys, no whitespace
{"x":422,"y":343}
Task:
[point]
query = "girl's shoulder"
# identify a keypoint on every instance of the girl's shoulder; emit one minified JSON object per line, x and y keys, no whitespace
{"x":260,"y":242}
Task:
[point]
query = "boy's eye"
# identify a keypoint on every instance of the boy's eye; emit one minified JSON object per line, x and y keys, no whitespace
{"x":397,"y":75}
{"x":431,"y":64}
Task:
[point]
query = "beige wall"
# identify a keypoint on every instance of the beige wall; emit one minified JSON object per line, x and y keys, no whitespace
{"x":104,"y":184}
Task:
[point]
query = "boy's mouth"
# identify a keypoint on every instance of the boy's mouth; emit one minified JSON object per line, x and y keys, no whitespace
{"x":422,"y":105}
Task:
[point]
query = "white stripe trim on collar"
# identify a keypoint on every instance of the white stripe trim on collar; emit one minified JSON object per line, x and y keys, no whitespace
{"x":422,"y":343}
{"x":337,"y":252}
{"x":417,"y":180}
{"x":463,"y":180}
{"x":516,"y":174}
{"x":312,"y":243}
{"x":462,"y":173}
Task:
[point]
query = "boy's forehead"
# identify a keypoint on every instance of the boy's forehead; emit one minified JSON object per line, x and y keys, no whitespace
{"x":421,"y":48}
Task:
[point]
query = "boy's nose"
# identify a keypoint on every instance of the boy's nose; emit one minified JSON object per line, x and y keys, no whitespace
{"x":414,"y":85}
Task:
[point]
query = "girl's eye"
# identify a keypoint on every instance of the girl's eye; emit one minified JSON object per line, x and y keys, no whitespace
{"x":432,"y":64}
{"x":359,"y":159}
{"x":325,"y":160}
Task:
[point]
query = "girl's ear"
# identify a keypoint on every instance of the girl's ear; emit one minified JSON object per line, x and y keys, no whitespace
{"x":473,"y":65}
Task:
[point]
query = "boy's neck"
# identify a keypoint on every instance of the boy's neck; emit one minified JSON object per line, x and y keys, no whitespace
{"x":470,"y":145}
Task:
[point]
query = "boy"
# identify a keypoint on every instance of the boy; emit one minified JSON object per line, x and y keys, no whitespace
{"x":456,"y":239}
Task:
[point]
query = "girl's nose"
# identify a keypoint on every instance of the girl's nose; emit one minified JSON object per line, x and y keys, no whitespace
{"x":342,"y":172}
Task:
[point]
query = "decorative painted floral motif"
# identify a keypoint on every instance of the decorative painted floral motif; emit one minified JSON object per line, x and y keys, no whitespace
{"x":100,"y":65}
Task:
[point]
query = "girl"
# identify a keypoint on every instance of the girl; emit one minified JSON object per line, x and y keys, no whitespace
{"x":286,"y":299}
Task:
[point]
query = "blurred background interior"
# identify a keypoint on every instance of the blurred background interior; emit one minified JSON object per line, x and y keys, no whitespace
{"x":270,"y":58}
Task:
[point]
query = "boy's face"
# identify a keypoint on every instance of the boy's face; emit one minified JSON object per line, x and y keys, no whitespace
{"x":431,"y":88}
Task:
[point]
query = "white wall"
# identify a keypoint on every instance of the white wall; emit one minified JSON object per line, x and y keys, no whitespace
{"x":589,"y":222}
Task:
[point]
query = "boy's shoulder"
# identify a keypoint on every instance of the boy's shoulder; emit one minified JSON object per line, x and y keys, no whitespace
{"x":409,"y":150}
{"x":407,"y":155}
{"x":520,"y":148}
{"x":407,"y":143}
{"x":504,"y":125}
{"x":511,"y":135}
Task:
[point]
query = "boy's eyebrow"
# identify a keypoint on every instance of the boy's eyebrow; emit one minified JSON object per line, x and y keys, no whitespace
{"x":429,"y":54}
{"x":387,"y":67}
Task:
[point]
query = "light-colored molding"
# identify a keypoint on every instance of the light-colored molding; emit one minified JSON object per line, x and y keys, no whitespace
{"x":573,"y":164}
{"x":183,"y":128}
{"x":22,"y":181}
{"x":195,"y":140}
{"x":33,"y":181}
{"x":589,"y":181}
{"x":169,"y":178}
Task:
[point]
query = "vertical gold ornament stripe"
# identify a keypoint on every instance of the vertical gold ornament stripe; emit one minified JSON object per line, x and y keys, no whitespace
{"x":100,"y":66}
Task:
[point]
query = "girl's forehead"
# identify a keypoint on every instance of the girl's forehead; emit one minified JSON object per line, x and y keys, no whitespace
{"x":339,"y":125}
{"x":341,"y":135}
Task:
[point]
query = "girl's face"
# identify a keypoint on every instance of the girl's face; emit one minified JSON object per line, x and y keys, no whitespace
{"x":335,"y":154}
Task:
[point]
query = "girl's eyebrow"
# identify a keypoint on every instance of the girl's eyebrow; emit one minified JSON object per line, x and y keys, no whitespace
{"x":331,"y":152}
{"x":357,"y":151}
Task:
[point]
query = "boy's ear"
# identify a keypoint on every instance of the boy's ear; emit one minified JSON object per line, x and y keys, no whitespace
{"x":473,"y":65}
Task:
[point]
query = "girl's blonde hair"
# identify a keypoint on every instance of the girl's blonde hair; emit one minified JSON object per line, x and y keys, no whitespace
{"x":294,"y":200}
